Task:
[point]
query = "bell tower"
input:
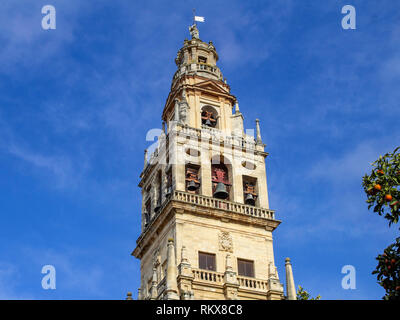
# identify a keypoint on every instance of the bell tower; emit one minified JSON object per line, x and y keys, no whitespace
{"x":207,"y":227}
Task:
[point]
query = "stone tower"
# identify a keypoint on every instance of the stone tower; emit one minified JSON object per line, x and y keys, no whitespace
{"x":206,"y":222}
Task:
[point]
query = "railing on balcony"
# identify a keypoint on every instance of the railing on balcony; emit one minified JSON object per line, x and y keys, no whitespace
{"x":190,"y":68}
{"x":252,"y":283}
{"x":218,"y":278}
{"x":224,"y":205}
{"x":208,"y":276}
{"x":207,"y":133}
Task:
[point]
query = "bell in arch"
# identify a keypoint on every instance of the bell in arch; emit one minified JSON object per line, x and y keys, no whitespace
{"x":220,"y":191}
{"x":250,"y":199}
{"x":192,"y":186}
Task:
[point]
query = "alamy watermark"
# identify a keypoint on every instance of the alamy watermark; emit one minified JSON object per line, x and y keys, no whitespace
{"x":349,"y":20}
{"x":349,"y":280}
{"x":49,"y":20}
{"x":49,"y":280}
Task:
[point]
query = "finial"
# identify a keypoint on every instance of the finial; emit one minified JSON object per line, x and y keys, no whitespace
{"x":184,"y":258}
{"x":228,"y":263}
{"x":129,"y":296}
{"x":237,"y":107}
{"x":145,"y":157}
{"x":258,"y":139}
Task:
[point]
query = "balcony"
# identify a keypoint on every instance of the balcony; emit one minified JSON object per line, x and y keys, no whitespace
{"x":191,"y":68}
{"x":217,"y":278}
{"x":235,"y":207}
{"x":207,"y":133}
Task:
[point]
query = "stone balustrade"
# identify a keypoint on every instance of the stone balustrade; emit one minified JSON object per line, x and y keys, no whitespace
{"x":210,"y":202}
{"x":208,"y":276}
{"x":252,"y":283}
{"x":218,"y":136}
{"x":194,"y":67}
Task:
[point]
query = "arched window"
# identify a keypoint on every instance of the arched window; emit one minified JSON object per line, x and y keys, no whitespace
{"x":209,"y":117}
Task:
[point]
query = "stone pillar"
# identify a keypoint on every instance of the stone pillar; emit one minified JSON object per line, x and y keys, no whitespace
{"x":185,"y":277}
{"x":153,"y":290}
{"x":231,"y":284}
{"x":139,"y":296}
{"x":171,"y":292}
{"x":290,"y":287}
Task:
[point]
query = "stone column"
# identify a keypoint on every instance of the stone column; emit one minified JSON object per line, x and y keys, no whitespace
{"x":290,"y":287}
{"x":171,"y":292}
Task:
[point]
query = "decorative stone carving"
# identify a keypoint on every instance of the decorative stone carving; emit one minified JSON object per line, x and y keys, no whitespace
{"x":225,"y":242}
{"x":183,"y":109}
{"x":272,"y":271}
{"x":156,"y":258}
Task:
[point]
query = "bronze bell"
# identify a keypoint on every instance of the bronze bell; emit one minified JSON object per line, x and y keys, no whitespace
{"x":192,"y":186}
{"x":250,"y":199}
{"x":220,"y":191}
{"x":208,"y":123}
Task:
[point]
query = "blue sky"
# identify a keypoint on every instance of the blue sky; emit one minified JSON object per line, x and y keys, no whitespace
{"x":76,"y":104}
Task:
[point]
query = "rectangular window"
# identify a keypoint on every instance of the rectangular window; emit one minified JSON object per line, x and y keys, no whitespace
{"x":245,"y":268}
{"x":207,"y":261}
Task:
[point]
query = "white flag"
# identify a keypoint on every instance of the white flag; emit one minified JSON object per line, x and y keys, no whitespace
{"x":199,"y":19}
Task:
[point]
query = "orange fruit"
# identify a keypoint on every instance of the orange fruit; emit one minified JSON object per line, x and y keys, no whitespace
{"x":378,"y":187}
{"x":388,"y":197}
{"x":380,"y":172}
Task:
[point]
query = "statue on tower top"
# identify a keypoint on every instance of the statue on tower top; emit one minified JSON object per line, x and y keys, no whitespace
{"x":194,"y":31}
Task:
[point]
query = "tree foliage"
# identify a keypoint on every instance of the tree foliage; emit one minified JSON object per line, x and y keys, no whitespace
{"x":304,"y":295}
{"x":383,"y":194}
{"x":382,"y":186}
